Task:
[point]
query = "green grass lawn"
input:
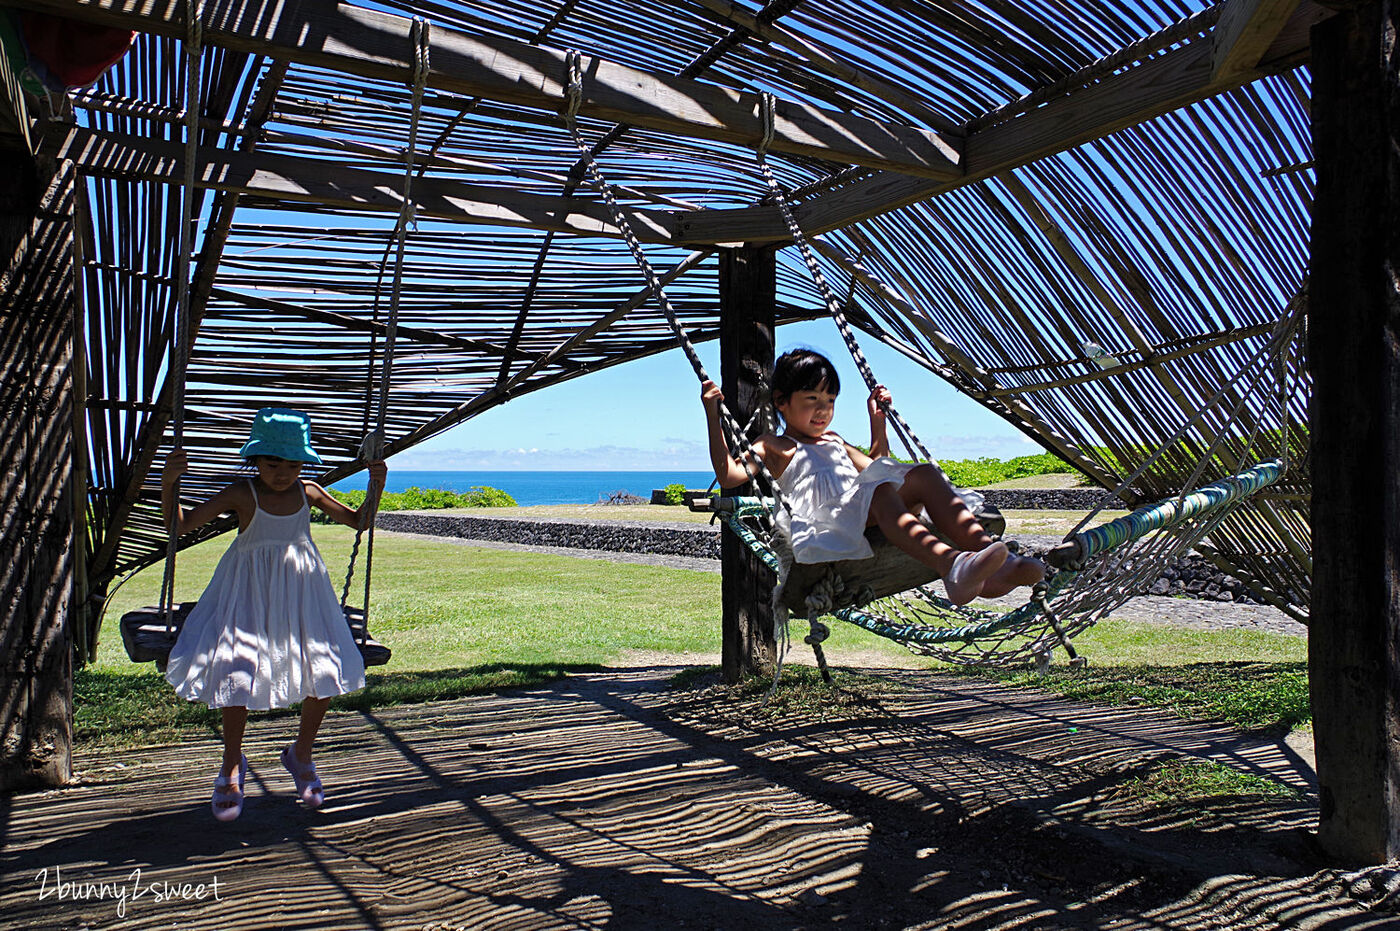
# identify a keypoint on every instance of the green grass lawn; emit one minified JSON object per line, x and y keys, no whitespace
{"x":463,"y":619}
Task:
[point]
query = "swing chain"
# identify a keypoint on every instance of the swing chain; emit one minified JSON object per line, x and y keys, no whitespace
{"x":906,"y":434}
{"x":735,"y":436}
{"x":372,"y":446}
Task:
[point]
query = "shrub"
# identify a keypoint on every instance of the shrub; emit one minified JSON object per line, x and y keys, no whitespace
{"x":424,"y":499}
{"x":978,"y":473}
{"x":675,"y":493}
{"x":484,"y":496}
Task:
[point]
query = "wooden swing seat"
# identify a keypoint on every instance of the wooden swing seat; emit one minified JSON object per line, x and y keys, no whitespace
{"x":147,"y":639}
{"x":888,"y":571}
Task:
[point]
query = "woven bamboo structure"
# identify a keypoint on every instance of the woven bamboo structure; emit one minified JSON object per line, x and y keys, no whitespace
{"x":1089,"y":216}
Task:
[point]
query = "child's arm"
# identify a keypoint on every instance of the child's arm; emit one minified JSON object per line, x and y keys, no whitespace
{"x":341,"y":513}
{"x":176,"y":465}
{"x":728,"y":470}
{"x":879,"y":439}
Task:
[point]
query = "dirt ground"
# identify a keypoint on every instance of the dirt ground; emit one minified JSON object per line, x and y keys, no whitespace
{"x":609,"y":800}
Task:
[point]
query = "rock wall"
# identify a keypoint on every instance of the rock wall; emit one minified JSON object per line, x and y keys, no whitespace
{"x":614,"y":536}
{"x":1191,"y":577}
{"x":1050,"y":499}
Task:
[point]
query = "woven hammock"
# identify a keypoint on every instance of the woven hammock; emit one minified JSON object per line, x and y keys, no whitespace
{"x":1095,"y":571}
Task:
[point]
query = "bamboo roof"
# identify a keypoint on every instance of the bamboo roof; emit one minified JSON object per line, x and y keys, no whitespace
{"x":1089,"y":215}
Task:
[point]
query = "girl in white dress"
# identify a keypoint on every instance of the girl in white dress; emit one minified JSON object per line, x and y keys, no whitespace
{"x":268,"y":631}
{"x":834,"y":491}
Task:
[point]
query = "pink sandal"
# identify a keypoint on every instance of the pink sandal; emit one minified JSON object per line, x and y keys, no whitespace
{"x":308,"y":783}
{"x":227,"y":802}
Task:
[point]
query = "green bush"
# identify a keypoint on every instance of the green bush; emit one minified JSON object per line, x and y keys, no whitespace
{"x":979,"y":473}
{"x":484,"y":496}
{"x":424,"y":499}
{"x":675,"y":493}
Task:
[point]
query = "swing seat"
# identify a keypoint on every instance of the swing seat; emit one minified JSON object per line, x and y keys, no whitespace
{"x":147,"y":639}
{"x":889,"y":571}
{"x":851,"y":582}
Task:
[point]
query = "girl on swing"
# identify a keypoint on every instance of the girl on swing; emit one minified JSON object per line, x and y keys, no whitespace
{"x":834,"y":491}
{"x":268,"y":631}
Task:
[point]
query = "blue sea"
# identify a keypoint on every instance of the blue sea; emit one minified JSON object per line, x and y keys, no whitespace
{"x":539,"y":487}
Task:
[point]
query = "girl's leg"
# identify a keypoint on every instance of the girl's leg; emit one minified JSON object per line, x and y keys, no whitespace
{"x":313,"y":711}
{"x":235,"y":722}
{"x":296,"y":758}
{"x":926,"y":487}
{"x":227,"y":801}
{"x":964,"y":572}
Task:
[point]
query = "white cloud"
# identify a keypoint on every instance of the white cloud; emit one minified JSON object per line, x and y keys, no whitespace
{"x":977,"y":447}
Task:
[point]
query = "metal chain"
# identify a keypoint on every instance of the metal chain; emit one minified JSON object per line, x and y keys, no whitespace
{"x":734,"y":435}
{"x":833,"y":307}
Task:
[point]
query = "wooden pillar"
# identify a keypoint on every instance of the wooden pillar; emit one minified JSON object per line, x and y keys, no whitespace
{"x":748,"y":298}
{"x":1354,"y":354}
{"x":36,"y":507}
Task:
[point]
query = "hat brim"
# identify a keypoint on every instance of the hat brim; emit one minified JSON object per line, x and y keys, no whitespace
{"x":279,"y":451}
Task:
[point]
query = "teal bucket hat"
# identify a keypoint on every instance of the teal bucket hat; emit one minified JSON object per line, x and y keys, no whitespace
{"x":282,"y":433}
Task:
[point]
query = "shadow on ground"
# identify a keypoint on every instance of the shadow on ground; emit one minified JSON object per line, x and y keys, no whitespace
{"x":607,"y":800}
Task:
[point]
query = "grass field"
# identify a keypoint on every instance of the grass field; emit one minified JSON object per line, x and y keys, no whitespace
{"x":463,"y":619}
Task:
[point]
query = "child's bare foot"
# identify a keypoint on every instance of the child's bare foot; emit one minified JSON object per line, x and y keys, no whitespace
{"x":971,"y":570}
{"x":1015,"y":572}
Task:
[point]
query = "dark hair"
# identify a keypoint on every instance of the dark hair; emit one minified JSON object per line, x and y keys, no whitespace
{"x":802,"y":370}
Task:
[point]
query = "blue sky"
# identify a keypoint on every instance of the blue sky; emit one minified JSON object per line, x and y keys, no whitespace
{"x":646,"y":415}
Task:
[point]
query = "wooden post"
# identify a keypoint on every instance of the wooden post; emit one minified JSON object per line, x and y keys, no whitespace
{"x":36,"y":526}
{"x":1354,"y":353}
{"x":748,"y":297}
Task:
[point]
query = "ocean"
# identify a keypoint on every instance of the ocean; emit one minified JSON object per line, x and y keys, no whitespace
{"x":539,"y":487}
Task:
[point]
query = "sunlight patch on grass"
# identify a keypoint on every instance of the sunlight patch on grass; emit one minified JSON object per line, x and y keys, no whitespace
{"x":1181,"y":781}
{"x":1252,"y":696}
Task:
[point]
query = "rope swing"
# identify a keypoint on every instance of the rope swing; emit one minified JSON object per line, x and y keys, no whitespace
{"x":149,"y":633}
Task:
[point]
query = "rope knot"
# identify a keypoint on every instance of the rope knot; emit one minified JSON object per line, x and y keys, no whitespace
{"x":573,"y":89}
{"x":766,"y":111}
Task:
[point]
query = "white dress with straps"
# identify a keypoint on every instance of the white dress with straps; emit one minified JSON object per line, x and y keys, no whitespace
{"x":268,"y":631}
{"x":830,"y":501}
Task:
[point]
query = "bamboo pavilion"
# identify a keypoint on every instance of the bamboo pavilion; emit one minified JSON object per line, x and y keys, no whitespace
{"x":1094,"y":218}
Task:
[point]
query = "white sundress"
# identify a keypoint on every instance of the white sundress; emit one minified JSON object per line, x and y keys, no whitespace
{"x":269,"y":630}
{"x":830,"y":501}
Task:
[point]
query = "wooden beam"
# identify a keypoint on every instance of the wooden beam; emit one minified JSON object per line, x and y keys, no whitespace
{"x":747,"y":314}
{"x":1173,"y":80}
{"x":373,"y":44}
{"x":327,"y":183}
{"x":1244,"y":33}
{"x":1354,"y":357}
{"x":37,"y":528}
{"x":831,"y":62}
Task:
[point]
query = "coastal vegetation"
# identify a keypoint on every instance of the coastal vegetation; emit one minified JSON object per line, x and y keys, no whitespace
{"x":986,"y":472}
{"x":424,"y":499}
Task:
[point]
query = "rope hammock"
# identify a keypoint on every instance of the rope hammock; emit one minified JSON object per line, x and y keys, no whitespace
{"x":1096,"y":571}
{"x":148,"y":634}
{"x":889,"y":593}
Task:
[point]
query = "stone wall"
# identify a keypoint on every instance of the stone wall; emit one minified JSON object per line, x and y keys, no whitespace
{"x":1050,"y":499}
{"x":1038,"y":499}
{"x":1192,"y":576}
{"x":615,"y":536}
